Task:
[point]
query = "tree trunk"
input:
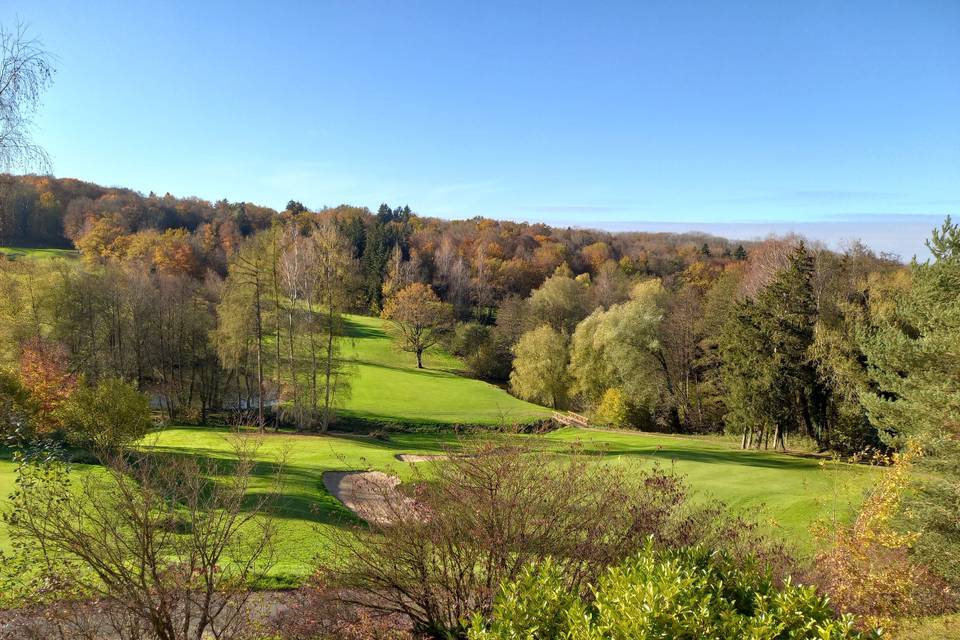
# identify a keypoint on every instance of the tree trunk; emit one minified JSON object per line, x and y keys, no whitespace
{"x":419,"y":358}
{"x":778,"y":438}
{"x":259,"y":321}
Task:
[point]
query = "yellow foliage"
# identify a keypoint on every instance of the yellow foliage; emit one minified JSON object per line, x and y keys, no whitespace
{"x":866,"y":565}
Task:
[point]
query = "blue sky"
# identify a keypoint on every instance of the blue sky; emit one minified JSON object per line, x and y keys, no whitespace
{"x":838,"y":119}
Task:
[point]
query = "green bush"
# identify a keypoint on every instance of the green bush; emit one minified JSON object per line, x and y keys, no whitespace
{"x":109,"y":415}
{"x":661,"y":594}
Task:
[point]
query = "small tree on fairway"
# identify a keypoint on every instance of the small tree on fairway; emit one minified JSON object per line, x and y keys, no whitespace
{"x":418,"y":318}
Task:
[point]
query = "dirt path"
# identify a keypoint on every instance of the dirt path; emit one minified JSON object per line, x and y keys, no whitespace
{"x":372,"y":495}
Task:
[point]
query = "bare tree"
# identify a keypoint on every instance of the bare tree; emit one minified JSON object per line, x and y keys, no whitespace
{"x":332,"y":280}
{"x":154,"y":546}
{"x":26,"y":70}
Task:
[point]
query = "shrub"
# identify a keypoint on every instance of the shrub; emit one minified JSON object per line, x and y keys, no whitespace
{"x":483,"y":354}
{"x":660,"y":594}
{"x":148,"y":547}
{"x":476,"y":519}
{"x":107,"y":416}
{"x":867,"y":567}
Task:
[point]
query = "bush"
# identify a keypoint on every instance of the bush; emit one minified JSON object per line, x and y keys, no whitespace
{"x":107,"y":416}
{"x":476,"y":344}
{"x":149,"y":547}
{"x":475,"y":520}
{"x":660,"y":594}
{"x":867,"y":566}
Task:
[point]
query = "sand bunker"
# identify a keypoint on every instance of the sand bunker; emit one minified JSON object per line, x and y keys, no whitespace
{"x":417,"y":457}
{"x":372,"y":495}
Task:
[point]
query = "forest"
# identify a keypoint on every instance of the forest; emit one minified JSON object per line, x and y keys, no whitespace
{"x":208,"y":306}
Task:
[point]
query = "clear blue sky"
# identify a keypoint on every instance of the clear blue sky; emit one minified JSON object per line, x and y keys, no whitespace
{"x":835,"y":118}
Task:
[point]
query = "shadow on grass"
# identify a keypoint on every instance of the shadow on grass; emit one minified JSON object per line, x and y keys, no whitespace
{"x":433,"y":373}
{"x":740,"y":458}
{"x":303,"y":496}
{"x":357,"y":330}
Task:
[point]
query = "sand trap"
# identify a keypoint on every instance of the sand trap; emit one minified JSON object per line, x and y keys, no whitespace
{"x":368,"y":494}
{"x":416,"y":457}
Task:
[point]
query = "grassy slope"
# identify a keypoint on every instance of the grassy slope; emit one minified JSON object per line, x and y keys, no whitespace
{"x":388,"y":385}
{"x":25,"y":252}
{"x":7,"y":486}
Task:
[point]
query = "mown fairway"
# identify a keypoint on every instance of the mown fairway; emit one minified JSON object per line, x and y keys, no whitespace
{"x":788,"y":492}
{"x":22,"y":252}
{"x":388,"y":386}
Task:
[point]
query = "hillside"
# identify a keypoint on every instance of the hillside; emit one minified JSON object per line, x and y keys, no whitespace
{"x":387,"y":386}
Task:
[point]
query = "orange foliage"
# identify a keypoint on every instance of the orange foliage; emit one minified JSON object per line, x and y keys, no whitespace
{"x":45,"y":375}
{"x":175,"y":255}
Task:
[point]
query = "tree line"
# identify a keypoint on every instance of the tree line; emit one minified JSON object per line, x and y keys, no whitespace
{"x":219,"y":305}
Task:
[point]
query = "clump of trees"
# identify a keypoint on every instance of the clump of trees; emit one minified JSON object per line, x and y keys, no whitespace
{"x":280,"y":319}
{"x":902,"y":554}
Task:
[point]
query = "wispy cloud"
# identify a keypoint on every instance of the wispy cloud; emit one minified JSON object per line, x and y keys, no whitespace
{"x":816,"y":196}
{"x":573,"y":208}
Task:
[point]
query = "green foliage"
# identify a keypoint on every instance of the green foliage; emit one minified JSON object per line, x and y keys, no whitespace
{"x":914,"y":352}
{"x":662,"y":594}
{"x":540,"y":367}
{"x":109,"y":415}
{"x":483,"y":354}
{"x":619,"y":348}
{"x":16,"y":407}
{"x":766,"y":368}
{"x":932,"y":506}
{"x":559,"y":302}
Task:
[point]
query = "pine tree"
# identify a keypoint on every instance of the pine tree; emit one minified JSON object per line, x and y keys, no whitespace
{"x":769,"y":376}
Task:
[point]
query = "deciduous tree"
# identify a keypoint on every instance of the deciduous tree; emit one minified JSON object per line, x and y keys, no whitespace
{"x":418,"y":318}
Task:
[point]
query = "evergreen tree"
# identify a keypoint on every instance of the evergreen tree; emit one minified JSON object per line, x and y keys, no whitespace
{"x":913,"y":355}
{"x":772,"y":382}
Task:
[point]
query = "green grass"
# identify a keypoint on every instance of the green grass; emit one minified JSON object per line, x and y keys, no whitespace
{"x":7,"y":486}
{"x":388,"y":386}
{"x":41,"y":254}
{"x":787,"y":492}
